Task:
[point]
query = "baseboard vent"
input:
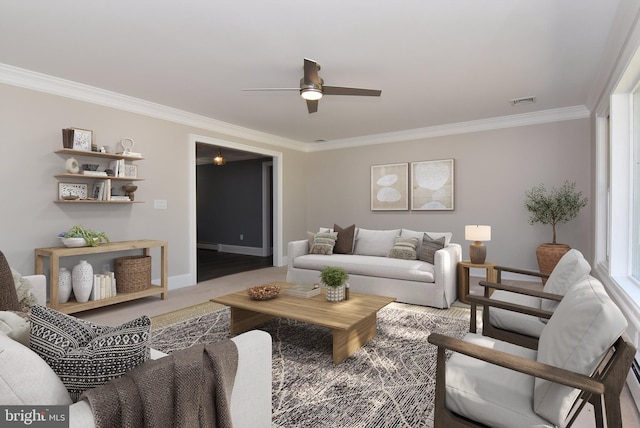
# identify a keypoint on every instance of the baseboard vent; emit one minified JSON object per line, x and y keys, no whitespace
{"x":524,"y":100}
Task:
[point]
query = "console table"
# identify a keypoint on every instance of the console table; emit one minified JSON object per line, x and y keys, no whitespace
{"x":55,"y":253}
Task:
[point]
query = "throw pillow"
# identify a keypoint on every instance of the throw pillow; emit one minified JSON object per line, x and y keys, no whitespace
{"x":84,"y":354}
{"x":404,"y":248}
{"x":8,"y":296}
{"x":15,"y":325}
{"x":323,"y":243}
{"x":429,"y":248}
{"x":346,"y":239}
{"x":26,"y":299}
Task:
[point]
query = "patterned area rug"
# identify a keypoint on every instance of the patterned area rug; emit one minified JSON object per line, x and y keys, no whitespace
{"x":389,"y":382}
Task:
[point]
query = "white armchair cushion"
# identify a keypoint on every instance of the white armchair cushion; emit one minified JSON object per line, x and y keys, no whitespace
{"x":490,"y":394}
{"x":25,"y":378}
{"x":515,"y":321}
{"x":571,"y":267}
{"x":375,"y":242}
{"x":580,"y":332}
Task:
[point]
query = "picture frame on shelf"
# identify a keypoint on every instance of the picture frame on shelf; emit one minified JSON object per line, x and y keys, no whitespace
{"x":82,"y":139}
{"x":71,"y":190}
{"x":390,"y":187}
{"x":130,"y":171}
{"x":432,"y":185}
{"x":98,"y":191}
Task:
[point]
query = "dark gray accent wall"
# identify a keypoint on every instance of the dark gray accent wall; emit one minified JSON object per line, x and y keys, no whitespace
{"x":229,"y":203}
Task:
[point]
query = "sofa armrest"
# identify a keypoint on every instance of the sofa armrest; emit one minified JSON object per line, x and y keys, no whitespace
{"x":445,"y":269}
{"x":39,"y":287}
{"x":296,"y":249}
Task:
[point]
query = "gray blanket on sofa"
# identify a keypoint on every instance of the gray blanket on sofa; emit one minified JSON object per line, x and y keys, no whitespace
{"x":189,"y":388}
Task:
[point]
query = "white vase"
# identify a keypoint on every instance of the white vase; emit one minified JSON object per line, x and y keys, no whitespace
{"x":82,"y":279}
{"x":335,"y":294}
{"x":64,"y":285}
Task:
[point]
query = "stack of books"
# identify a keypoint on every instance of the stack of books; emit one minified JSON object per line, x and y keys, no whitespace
{"x":104,"y":286}
{"x":301,"y":290}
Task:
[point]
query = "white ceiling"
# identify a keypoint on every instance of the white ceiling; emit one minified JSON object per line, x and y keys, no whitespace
{"x":436,"y":61}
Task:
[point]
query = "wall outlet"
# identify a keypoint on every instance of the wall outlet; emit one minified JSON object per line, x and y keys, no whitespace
{"x":241,"y":236}
{"x":106,"y":267}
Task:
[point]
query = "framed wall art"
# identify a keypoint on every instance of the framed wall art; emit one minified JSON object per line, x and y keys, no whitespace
{"x":390,"y":187}
{"x":82,"y":139}
{"x":432,"y":186}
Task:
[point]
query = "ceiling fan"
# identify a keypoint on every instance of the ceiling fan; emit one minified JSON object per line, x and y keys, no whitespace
{"x":312,"y":87}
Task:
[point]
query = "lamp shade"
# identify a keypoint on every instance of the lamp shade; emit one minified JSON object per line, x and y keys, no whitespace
{"x":476,"y":232}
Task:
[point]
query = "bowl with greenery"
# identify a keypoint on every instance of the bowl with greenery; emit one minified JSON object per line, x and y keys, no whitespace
{"x":79,"y":236}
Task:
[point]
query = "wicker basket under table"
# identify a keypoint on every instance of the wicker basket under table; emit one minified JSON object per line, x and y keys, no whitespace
{"x":133,"y":273}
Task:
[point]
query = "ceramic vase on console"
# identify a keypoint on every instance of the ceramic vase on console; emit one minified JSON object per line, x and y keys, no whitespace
{"x":64,"y":285}
{"x":335,"y":294}
{"x":82,"y":279}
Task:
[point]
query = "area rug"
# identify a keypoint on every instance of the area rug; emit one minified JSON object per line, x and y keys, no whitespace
{"x":389,"y":382}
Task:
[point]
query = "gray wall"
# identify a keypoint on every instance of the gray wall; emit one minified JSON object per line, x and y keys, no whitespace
{"x":229,"y":200}
{"x":493,"y":170}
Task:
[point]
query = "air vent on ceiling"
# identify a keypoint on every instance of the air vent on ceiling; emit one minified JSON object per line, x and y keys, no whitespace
{"x":524,"y":100}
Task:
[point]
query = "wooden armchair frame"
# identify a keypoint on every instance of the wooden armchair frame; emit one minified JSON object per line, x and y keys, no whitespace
{"x":602,"y":389}
{"x":486,"y":302}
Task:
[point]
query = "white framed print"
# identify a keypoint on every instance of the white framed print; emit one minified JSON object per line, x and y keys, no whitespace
{"x":432,"y":186}
{"x":72,"y":190}
{"x":82,"y":139}
{"x":130,"y":171}
{"x":390,"y":187}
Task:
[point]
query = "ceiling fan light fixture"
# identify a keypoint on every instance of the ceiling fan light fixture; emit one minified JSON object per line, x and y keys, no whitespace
{"x":219,"y":160}
{"x":311,"y":93}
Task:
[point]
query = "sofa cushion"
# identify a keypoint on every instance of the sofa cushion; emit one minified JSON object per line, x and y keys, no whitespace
{"x":84,"y":354}
{"x":515,"y":321}
{"x":323,"y":243}
{"x":571,"y":267}
{"x":420,"y":235}
{"x":8,"y":295}
{"x":404,"y":248}
{"x":375,"y":242}
{"x":25,"y":378}
{"x":490,"y":394}
{"x":579,"y":333}
{"x":383,"y":267}
{"x":15,"y":326}
{"x":429,"y":247}
{"x":346,"y":239}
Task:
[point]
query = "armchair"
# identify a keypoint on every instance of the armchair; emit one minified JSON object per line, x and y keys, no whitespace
{"x":583,"y":356}
{"x":519,"y":314}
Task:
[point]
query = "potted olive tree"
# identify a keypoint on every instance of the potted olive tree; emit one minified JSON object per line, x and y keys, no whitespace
{"x":553,"y":207}
{"x":335,"y":279}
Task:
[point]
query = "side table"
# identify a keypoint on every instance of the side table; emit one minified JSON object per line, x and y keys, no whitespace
{"x":463,"y":276}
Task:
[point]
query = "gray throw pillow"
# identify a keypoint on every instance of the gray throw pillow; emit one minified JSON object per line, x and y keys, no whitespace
{"x":429,"y":248}
{"x":404,"y":248}
{"x":83,"y":354}
{"x":346,"y":238}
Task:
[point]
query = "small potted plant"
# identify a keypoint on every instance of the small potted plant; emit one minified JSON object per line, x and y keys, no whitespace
{"x":79,"y":236}
{"x":554,"y":207}
{"x":335,"y":279}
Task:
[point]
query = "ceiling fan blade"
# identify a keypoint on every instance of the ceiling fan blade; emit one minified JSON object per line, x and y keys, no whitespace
{"x":312,"y":106}
{"x":311,"y":72}
{"x":338,"y":90}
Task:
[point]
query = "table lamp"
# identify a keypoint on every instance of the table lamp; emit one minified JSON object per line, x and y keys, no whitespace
{"x":477,"y":250}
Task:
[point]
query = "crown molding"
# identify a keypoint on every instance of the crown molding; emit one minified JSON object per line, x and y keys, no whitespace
{"x":28,"y":79}
{"x":66,"y":88}
{"x":511,"y":121}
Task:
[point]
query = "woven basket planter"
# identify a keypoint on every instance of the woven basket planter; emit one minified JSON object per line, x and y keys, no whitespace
{"x":549,"y":255}
{"x":133,"y":273}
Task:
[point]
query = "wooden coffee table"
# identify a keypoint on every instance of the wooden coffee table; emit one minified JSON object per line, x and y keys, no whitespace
{"x":352,"y":322}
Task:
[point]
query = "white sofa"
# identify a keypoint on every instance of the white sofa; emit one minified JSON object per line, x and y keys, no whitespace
{"x":371,"y":271}
{"x":26,"y":379}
